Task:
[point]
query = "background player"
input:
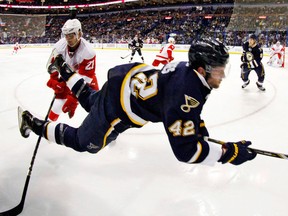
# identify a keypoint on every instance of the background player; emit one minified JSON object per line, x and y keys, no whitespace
{"x":165,"y":54}
{"x":276,"y":55}
{"x":136,"y":45}
{"x":137,"y":93}
{"x":79,"y":54}
{"x":251,"y":57}
{"x":16,"y":48}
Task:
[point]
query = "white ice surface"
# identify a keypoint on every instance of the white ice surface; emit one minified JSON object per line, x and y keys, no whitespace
{"x":139,"y":175}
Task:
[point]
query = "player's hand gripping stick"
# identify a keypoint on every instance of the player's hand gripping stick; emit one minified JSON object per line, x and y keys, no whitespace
{"x":62,"y":67}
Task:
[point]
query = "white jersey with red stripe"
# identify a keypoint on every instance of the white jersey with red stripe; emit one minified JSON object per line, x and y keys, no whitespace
{"x":165,"y":52}
{"x":277,"y":49}
{"x":82,"y":60}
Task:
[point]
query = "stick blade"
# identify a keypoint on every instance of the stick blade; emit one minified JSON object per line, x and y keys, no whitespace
{"x":14,"y":211}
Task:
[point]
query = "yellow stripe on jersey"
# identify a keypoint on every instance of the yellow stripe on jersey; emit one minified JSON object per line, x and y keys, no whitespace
{"x":114,"y":122}
{"x":126,"y":93}
{"x":197,"y":153}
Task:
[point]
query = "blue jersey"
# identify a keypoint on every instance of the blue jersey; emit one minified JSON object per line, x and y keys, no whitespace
{"x":252,"y":55}
{"x":139,"y":93}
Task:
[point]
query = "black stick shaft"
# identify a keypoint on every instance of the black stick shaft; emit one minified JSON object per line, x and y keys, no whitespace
{"x":18,"y":209}
{"x":258,"y":151}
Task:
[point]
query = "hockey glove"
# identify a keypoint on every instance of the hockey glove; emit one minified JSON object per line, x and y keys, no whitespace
{"x":60,"y":65}
{"x":57,"y":85}
{"x":237,"y":153}
{"x":70,"y":105}
{"x":203,"y":132}
{"x":244,"y":57}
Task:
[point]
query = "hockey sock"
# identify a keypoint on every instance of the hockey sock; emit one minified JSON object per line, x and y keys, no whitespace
{"x":66,"y":135}
{"x":53,"y":116}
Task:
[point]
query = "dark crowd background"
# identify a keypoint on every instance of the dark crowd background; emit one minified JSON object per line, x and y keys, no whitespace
{"x":229,"y":21}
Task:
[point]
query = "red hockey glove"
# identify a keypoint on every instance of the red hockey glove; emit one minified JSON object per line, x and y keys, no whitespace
{"x":57,"y":85}
{"x":70,"y":105}
{"x":237,"y":153}
{"x":171,"y":59}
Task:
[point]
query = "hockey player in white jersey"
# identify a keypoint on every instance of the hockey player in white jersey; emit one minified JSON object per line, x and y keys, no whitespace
{"x":79,"y":54}
{"x":16,"y":48}
{"x":276,"y":55}
{"x":165,"y":54}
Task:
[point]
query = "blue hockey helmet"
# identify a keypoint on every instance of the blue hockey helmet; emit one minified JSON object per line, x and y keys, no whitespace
{"x":207,"y":53}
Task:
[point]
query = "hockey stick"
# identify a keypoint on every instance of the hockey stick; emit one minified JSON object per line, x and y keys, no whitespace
{"x":18,"y":209}
{"x":123,"y":57}
{"x":258,"y":151}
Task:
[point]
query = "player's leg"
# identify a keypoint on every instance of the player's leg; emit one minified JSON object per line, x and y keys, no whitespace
{"x":271,"y":59}
{"x":140,"y":54}
{"x":279,"y":59}
{"x":261,"y":76}
{"x":95,"y":132}
{"x":132,"y":55}
{"x":56,"y":109}
{"x":245,"y":71}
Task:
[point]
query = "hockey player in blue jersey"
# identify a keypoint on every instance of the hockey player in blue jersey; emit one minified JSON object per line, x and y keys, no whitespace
{"x":251,"y":58}
{"x":138,"y":93}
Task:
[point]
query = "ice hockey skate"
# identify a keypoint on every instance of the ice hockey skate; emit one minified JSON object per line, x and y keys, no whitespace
{"x":23,"y":118}
{"x":245,"y":84}
{"x":260,"y":86}
{"x":27,"y":122}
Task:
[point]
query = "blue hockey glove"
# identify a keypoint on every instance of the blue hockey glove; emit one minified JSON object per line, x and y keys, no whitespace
{"x":237,"y":153}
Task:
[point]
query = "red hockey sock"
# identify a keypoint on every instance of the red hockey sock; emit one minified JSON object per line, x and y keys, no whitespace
{"x":53,"y":116}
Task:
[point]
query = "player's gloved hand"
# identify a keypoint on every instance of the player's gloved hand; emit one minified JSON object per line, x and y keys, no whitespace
{"x":62,"y":67}
{"x":55,"y":64}
{"x":171,"y":59}
{"x":237,"y":153}
{"x":70,"y":105}
{"x":57,"y":85}
{"x":203,"y":132}
{"x":244,"y":57}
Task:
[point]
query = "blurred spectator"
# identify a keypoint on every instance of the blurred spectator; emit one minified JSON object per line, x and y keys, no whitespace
{"x":225,"y":20}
